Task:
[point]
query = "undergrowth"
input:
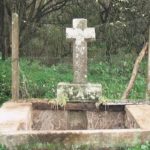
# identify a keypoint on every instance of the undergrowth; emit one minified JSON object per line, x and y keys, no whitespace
{"x":145,"y":146}
{"x":48,"y":146}
{"x":39,"y":81}
{"x":2,"y":147}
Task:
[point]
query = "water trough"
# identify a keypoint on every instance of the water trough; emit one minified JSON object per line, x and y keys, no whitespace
{"x":76,"y":124}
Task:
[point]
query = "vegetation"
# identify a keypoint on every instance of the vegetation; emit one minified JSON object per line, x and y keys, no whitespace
{"x":5,"y":81}
{"x":2,"y":147}
{"x":40,"y":81}
{"x":48,"y":146}
{"x":145,"y":146}
{"x":121,"y":30}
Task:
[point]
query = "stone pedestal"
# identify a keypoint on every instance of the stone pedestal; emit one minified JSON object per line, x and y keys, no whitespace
{"x":79,"y":92}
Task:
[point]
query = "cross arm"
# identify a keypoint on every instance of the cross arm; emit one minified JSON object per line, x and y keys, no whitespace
{"x":89,"y":34}
{"x":70,"y":34}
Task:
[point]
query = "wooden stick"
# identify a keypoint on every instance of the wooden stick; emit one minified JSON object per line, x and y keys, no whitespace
{"x":148,"y":71}
{"x":15,"y":57}
{"x":134,"y":72}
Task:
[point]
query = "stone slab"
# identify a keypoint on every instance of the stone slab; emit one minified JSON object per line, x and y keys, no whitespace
{"x":105,"y":120}
{"x":15,"y":116}
{"x":79,"y":92}
{"x":141,"y":114}
{"x":130,"y":121}
{"x":95,"y":139}
{"x":49,"y":120}
{"x":77,"y":120}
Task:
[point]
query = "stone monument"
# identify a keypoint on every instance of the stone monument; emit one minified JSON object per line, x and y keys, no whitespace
{"x":80,"y":89}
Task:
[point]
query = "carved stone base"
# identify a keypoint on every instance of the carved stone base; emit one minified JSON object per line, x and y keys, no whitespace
{"x":79,"y":92}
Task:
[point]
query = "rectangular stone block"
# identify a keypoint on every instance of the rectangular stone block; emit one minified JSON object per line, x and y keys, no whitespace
{"x":79,"y":92}
{"x":49,"y":120}
{"x":77,"y":120}
{"x":15,"y":116}
{"x":141,"y":115}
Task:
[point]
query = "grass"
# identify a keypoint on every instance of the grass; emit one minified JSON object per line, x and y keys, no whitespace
{"x":5,"y":80}
{"x":145,"y":146}
{"x":39,"y":81}
{"x":2,"y":147}
{"x":48,"y":146}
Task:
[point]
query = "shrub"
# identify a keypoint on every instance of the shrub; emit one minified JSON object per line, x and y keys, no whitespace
{"x":5,"y":80}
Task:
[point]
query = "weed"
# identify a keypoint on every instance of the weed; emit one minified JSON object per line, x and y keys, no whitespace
{"x":2,"y":147}
{"x":39,"y":81}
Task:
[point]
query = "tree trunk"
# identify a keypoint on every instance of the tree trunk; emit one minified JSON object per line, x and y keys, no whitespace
{"x":2,"y":38}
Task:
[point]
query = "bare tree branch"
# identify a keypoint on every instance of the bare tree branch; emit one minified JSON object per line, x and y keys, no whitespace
{"x":134,"y":72}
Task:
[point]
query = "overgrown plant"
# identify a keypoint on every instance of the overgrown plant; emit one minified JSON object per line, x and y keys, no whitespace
{"x":39,"y":81}
{"x":2,"y":147}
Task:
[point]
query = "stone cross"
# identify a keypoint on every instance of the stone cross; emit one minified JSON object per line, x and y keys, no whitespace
{"x":80,"y":35}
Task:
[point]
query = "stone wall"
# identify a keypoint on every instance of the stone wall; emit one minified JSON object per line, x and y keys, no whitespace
{"x":63,"y":120}
{"x":130,"y":122}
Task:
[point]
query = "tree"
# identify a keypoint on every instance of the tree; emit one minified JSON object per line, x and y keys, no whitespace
{"x":2,"y":39}
{"x":31,"y":13}
{"x":120,"y":24}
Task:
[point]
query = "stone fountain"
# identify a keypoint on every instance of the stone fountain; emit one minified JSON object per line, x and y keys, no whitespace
{"x":79,"y":122}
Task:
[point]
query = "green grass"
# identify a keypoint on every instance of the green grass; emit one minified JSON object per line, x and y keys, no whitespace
{"x":145,"y":146}
{"x":48,"y":146}
{"x":5,"y":80}
{"x":2,"y":147}
{"x":115,"y":77}
{"x":39,"y":81}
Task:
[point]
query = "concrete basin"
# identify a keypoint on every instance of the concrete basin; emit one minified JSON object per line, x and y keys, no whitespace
{"x":76,"y":124}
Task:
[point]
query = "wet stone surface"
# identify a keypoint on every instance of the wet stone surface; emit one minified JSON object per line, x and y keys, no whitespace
{"x":79,"y":92}
{"x":49,"y":120}
{"x":77,"y":120}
